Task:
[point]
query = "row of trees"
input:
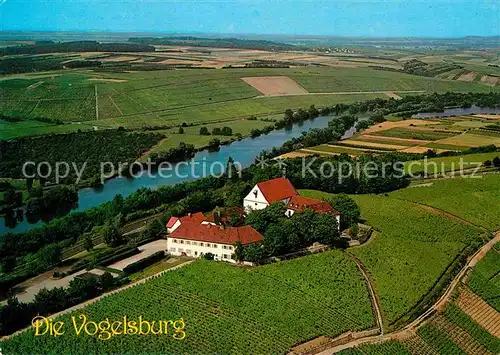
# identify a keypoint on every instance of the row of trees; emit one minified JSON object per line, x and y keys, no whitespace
{"x":215,"y":42}
{"x":217,"y":131}
{"x":16,"y":315}
{"x":76,"y":46}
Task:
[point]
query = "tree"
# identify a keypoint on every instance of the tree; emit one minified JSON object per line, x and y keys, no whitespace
{"x":216,"y":131}
{"x":12,"y":197}
{"x":325,"y":229}
{"x":260,"y":220}
{"x":496,"y":162}
{"x":153,"y":230}
{"x":487,"y":163}
{"x":8,"y":264}
{"x":106,"y":281}
{"x":111,"y":234}
{"x":239,"y":252}
{"x":50,"y":301}
{"x":209,"y":256}
{"x":227,"y":131}
{"x":275,"y":241}
{"x":255,"y":253}
{"x":204,"y":131}
{"x":181,"y":130}
{"x":349,"y":210}
{"x":49,"y":256}
{"x":87,"y":243}
{"x":214,"y":144}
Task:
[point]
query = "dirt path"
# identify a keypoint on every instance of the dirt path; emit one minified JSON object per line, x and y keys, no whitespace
{"x":439,"y":305}
{"x":93,"y":300}
{"x":149,"y":151}
{"x":114,"y":103}
{"x":373,"y":295}
{"x":96,"y":103}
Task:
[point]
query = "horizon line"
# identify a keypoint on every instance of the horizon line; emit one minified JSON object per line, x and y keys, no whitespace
{"x":242,"y":34}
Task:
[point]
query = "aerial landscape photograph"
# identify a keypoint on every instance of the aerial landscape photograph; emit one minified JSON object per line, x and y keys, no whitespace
{"x":300,"y":177}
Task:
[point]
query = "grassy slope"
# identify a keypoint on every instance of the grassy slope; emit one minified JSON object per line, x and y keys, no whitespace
{"x":228,"y":309}
{"x":445,"y":164}
{"x":485,"y":279}
{"x":414,"y":247}
{"x":475,"y":200}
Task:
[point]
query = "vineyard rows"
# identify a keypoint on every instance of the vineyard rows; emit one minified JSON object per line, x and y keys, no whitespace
{"x":227,"y":309}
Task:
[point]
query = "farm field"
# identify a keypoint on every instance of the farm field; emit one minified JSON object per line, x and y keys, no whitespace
{"x":470,"y":140}
{"x":228,"y":309}
{"x":474,"y":200}
{"x":329,"y":149}
{"x":447,"y":164}
{"x":169,"y":97}
{"x":421,"y":235}
{"x":449,"y":331}
{"x":408,"y":133}
{"x":485,"y":278}
{"x":418,"y":136}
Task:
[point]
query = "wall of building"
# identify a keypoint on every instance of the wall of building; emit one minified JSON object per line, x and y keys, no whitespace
{"x":195,"y":249}
{"x":255,"y":200}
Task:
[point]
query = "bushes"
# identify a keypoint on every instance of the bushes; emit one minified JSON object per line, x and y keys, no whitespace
{"x":141,"y":264}
{"x":117,"y":255}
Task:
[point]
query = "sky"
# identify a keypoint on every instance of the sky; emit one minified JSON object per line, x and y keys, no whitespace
{"x":373,"y":18}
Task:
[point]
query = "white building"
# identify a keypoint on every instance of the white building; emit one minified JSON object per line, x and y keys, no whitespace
{"x":267,"y":192}
{"x":281,"y":189}
{"x":195,"y":240}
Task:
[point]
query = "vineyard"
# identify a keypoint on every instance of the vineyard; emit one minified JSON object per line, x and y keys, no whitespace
{"x":170,"y":97}
{"x":485,"y":279}
{"x":454,"y":196}
{"x":412,"y":251}
{"x":386,"y":348}
{"x":228,"y":309}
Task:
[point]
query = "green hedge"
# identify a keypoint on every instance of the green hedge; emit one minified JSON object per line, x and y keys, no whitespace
{"x":141,"y":264}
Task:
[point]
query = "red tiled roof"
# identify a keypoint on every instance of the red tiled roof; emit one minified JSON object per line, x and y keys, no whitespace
{"x":215,"y":234}
{"x":277,"y":189}
{"x":225,"y":214}
{"x":299,"y":203}
{"x":197,"y":218}
{"x":172,"y":221}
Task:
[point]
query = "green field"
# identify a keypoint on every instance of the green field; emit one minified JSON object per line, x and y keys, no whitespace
{"x":408,"y":133}
{"x":381,"y":140}
{"x":446,"y":146}
{"x":170,"y":97}
{"x":330,"y":148}
{"x":475,"y":200}
{"x":228,"y":309}
{"x":412,"y":250}
{"x":447,"y":164}
{"x":485,"y":278}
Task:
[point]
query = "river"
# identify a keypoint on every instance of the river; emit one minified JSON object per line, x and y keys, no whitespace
{"x":244,"y":152}
{"x":459,"y":111}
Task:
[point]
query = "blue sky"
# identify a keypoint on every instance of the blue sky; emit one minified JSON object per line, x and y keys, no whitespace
{"x":394,"y":18}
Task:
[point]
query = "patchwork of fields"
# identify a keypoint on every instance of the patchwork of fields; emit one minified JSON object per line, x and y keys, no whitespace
{"x":450,"y":331}
{"x":418,"y":136}
{"x":95,"y":100}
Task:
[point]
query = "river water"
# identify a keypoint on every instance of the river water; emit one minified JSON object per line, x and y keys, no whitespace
{"x":243,"y":152}
{"x":459,"y":111}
